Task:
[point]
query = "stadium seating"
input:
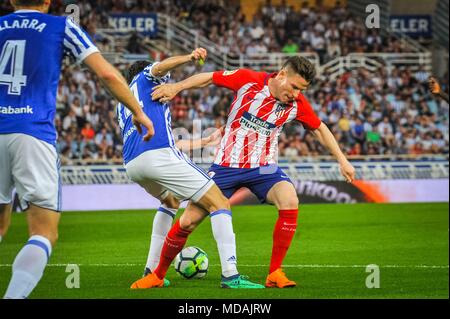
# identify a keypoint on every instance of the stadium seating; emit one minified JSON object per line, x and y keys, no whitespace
{"x":373,"y":109}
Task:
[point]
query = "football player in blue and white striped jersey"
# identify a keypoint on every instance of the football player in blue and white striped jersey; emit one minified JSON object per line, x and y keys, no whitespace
{"x":32,"y":47}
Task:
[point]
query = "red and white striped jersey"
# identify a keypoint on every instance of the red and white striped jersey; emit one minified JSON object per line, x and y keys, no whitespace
{"x":255,"y":119}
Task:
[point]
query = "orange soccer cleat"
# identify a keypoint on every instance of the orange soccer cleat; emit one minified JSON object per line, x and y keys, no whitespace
{"x":149,"y":281}
{"x":278,"y":279}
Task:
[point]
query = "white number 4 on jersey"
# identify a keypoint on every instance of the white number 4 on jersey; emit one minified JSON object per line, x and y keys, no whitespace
{"x":13,"y":54}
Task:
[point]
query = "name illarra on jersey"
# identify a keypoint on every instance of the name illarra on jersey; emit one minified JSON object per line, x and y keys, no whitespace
{"x":159,"y":113}
{"x":32,"y":48}
{"x":23,"y":24}
{"x":256,"y":119}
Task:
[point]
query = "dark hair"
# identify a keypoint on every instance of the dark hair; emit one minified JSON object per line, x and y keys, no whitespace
{"x":301,"y":66}
{"x":136,"y":68}
{"x":28,"y":3}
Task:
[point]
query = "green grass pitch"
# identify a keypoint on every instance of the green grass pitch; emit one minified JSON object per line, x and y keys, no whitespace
{"x":328,"y":256}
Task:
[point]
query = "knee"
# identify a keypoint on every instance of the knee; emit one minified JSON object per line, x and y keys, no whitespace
{"x":293,"y":203}
{"x":289,"y":203}
{"x":221,"y":203}
{"x":187,"y":223}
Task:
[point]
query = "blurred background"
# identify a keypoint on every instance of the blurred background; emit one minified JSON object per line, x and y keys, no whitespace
{"x":371,"y":89}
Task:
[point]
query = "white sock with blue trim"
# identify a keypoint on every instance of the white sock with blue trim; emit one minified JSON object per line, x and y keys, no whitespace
{"x":28,"y":267}
{"x":161,"y":225}
{"x":222,"y":228}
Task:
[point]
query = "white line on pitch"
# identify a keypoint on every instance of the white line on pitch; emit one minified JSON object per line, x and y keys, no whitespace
{"x":242,"y":265}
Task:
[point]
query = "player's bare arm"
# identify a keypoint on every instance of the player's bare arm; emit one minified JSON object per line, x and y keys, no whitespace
{"x":327,"y":139}
{"x":118,"y":87}
{"x":211,"y":140}
{"x":166,"y":92}
{"x":171,"y":63}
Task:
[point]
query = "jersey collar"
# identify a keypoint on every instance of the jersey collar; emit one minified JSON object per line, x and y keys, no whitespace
{"x":26,"y":11}
{"x":268,"y":76}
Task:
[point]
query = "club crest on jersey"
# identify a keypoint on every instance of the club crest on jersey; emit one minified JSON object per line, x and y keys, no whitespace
{"x":281,"y":110}
{"x":229,"y":72}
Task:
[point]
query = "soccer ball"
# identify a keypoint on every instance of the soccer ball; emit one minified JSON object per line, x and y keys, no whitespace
{"x":191,"y":262}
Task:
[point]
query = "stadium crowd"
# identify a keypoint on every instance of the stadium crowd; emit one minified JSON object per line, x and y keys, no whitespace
{"x":369,"y":113}
{"x":377,"y":113}
{"x":330,"y":32}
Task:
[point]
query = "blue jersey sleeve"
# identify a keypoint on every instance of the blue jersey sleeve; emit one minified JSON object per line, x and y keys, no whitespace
{"x":151,"y":77}
{"x":77,"y":43}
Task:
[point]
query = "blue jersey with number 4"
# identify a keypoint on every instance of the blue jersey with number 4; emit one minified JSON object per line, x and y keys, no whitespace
{"x":159,"y":113}
{"x":32,"y":47}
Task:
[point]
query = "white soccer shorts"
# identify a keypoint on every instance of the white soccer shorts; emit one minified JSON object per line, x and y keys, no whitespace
{"x":32,"y":167}
{"x":167,"y":170}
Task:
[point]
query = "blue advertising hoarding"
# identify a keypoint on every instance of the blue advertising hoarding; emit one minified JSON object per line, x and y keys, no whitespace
{"x":411,"y":25}
{"x":145,"y":24}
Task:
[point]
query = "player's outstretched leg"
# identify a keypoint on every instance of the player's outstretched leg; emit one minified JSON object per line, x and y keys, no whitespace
{"x":177,"y":237}
{"x":30,"y":262}
{"x":284,"y":196}
{"x":5,"y":219}
{"x":173,"y":244}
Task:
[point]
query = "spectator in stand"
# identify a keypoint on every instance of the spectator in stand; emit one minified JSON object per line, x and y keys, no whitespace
{"x":133,"y":45}
{"x":354,"y":105}
{"x":290,"y":47}
{"x":88,"y":133}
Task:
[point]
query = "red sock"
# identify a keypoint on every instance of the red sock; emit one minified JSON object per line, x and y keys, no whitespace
{"x":282,"y":236}
{"x":175,"y":240}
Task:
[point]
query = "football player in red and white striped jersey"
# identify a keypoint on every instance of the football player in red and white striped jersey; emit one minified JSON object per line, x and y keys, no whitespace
{"x":247,"y":156}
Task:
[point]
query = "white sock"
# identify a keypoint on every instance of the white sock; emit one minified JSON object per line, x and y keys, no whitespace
{"x":161,"y":225}
{"x":28,"y":267}
{"x":222,"y":228}
{"x":0,"y":238}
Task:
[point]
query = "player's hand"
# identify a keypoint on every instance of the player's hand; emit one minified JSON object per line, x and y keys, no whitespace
{"x":140,"y":120}
{"x":433,"y":85}
{"x":348,"y":171}
{"x":165,"y":92}
{"x":199,"y":54}
{"x":215,"y":138}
